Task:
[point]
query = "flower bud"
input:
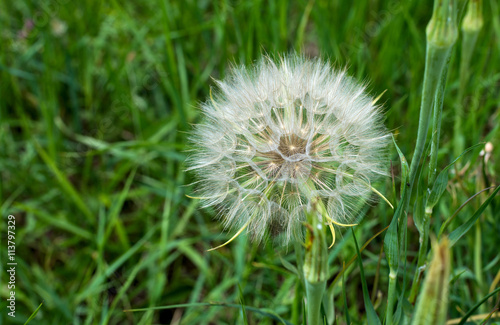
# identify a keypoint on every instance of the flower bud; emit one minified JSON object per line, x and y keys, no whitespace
{"x":473,"y":19}
{"x":432,"y":304}
{"x":442,"y":29}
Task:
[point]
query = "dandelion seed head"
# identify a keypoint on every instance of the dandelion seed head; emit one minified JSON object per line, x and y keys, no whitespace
{"x":280,"y":134}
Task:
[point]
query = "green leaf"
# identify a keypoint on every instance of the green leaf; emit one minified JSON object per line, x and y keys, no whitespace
{"x":304,"y":319}
{"x":460,"y":231}
{"x":372,"y":316}
{"x":116,"y":208}
{"x":442,"y":181}
{"x":329,"y":306}
{"x":437,"y":190}
{"x":419,"y":216}
{"x":391,"y":246}
{"x":405,"y":169}
{"x":242,"y":304}
{"x":289,"y":266}
{"x":56,"y":221}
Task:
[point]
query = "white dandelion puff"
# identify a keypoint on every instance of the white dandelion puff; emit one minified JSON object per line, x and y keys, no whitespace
{"x":279,"y":136}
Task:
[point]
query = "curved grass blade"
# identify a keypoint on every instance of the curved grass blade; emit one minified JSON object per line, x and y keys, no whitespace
{"x":371,"y":314}
{"x":476,"y":306}
{"x":344,"y":296}
{"x":337,"y":278}
{"x":450,"y":219}
{"x":262,"y":311}
{"x":442,"y":181}
{"x":460,"y":231}
{"x":34,"y":314}
{"x":242,"y":304}
{"x":65,"y":184}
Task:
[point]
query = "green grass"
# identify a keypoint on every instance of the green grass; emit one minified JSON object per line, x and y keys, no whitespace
{"x":97,"y":101}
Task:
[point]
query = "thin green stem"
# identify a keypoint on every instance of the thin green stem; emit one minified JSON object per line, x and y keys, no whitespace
{"x":478,"y":264}
{"x":471,"y":26}
{"x":297,"y":305}
{"x":392,"y":251}
{"x":391,"y":296}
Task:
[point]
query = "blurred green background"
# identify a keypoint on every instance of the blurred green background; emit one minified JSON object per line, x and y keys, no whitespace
{"x":97,"y":101}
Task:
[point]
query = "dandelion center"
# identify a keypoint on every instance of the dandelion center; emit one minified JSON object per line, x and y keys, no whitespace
{"x":291,"y":145}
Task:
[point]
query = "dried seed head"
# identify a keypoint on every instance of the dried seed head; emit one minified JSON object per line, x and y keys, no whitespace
{"x":281,"y":134}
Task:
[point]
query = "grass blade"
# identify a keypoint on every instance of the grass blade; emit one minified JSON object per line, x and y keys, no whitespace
{"x":371,"y":314}
{"x":442,"y":181}
{"x":476,"y":306}
{"x":460,"y":231}
{"x":242,"y":304}
{"x":65,"y":184}
{"x":34,"y":314}
{"x":262,"y":311}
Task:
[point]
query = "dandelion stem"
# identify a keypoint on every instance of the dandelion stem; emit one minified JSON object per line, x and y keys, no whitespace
{"x":315,"y":265}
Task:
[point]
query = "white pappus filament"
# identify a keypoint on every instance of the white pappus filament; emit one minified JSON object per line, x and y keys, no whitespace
{"x":280,"y":134}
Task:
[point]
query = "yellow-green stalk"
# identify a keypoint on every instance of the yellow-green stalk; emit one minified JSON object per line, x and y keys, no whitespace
{"x":442,"y":33}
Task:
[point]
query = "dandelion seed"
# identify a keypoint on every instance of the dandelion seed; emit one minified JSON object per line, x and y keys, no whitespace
{"x":281,"y":135}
